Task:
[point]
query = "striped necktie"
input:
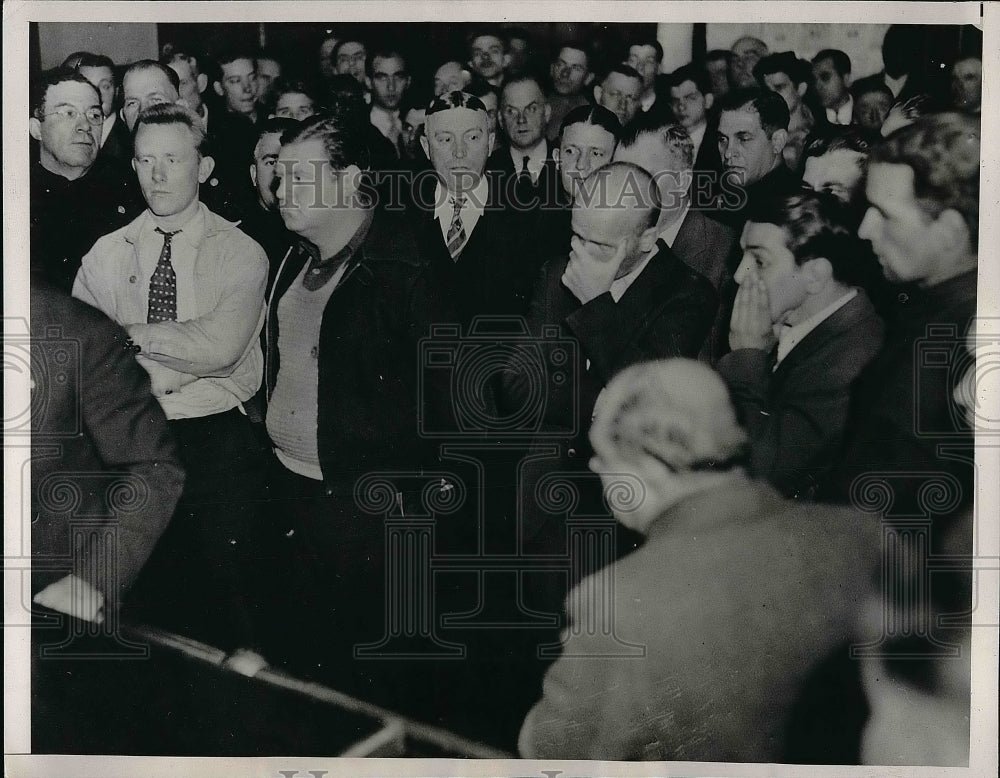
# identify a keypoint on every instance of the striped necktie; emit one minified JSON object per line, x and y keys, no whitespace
{"x":456,"y":231}
{"x":163,"y":285}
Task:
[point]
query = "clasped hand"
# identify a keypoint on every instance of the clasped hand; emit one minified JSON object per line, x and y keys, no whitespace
{"x":587,"y":276}
{"x":751,"y":325}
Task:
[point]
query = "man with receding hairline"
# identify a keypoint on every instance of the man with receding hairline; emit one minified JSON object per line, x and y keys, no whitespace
{"x":621,"y":298}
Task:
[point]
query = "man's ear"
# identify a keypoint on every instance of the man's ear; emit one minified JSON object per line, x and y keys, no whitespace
{"x":218,"y":89}
{"x":506,"y":61}
{"x":205,"y":168}
{"x":648,"y":239}
{"x":848,"y":79}
{"x":424,"y":144}
{"x":597,"y":94}
{"x":350,"y":181}
{"x":547,"y":113}
{"x":801,"y":89}
{"x":817,"y":273}
{"x":555,"y":155}
{"x":202,"y":82}
{"x":779,"y":140}
{"x":709,"y":100}
{"x":952,"y":231}
{"x":492,"y":134}
{"x":135,"y":168}
{"x":35,"y":128}
{"x":253,"y":174}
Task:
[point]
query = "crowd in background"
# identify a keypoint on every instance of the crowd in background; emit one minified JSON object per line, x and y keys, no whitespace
{"x":309,"y":296}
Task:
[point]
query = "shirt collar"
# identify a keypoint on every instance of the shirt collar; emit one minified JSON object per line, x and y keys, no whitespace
{"x":789,"y":337}
{"x":842,"y":115}
{"x":669,"y":235}
{"x":648,"y":100}
{"x":698,"y":135}
{"x":536,"y":158}
{"x":475,"y":200}
{"x":349,"y":249}
{"x":620,"y":285}
{"x":191,"y":232}
{"x":896,"y":84}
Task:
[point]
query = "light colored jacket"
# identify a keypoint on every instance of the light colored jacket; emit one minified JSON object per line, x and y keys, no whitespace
{"x":212,"y":361}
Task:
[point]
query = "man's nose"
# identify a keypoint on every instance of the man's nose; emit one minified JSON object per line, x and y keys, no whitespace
{"x":461,"y":149}
{"x":583,"y":162}
{"x":159,"y":171}
{"x":743,"y":270}
{"x":864,"y":230}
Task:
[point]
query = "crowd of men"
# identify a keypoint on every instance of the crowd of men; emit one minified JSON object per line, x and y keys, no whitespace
{"x":355,"y":304}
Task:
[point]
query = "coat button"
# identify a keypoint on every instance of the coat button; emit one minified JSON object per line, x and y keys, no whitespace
{"x":131,"y":279}
{"x":572,"y":453}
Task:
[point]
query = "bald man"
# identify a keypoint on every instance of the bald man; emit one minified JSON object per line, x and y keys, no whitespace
{"x":699,"y":646}
{"x":619,"y":298}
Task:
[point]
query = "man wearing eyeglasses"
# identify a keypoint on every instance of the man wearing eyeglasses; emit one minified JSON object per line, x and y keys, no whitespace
{"x":74,"y":198}
{"x":620,"y":91}
{"x":527,"y":160}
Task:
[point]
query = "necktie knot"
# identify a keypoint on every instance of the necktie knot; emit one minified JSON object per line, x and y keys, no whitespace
{"x":524,"y":164}
{"x":163,"y":285}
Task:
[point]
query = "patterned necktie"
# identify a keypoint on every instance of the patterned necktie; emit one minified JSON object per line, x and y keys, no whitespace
{"x":456,"y":231}
{"x":163,"y":285}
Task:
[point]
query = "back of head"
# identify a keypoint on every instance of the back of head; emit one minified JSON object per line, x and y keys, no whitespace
{"x":677,"y":411}
{"x":670,"y":134}
{"x":768,"y":105}
{"x":943,"y":150}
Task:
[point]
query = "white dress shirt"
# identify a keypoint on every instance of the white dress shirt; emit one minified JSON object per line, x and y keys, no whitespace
{"x":472,"y":209}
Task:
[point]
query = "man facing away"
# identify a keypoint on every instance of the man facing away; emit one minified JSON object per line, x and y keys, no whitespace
{"x":697,"y":646}
{"x":800,"y":335}
{"x":188,"y":287}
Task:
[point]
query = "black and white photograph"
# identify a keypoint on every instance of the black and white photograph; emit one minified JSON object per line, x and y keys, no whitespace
{"x":506,"y":389}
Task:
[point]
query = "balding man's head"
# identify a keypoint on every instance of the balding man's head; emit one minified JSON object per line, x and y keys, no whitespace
{"x":747,"y":52}
{"x":615,"y":214}
{"x":671,"y":424}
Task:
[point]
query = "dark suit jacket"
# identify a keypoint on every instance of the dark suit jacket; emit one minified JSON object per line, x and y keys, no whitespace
{"x":101,"y":450}
{"x":494,"y":273}
{"x":547,"y":189}
{"x":797,"y":415}
{"x":711,"y":248}
{"x":666,"y":312}
{"x":708,"y":167}
{"x":732,"y":205}
{"x":701,"y":649}
{"x":905,"y":426}
{"x":369,"y":356}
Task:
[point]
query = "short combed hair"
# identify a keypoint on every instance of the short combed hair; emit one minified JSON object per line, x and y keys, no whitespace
{"x":769,"y":106}
{"x":943,"y":150}
{"x":343,"y":140}
{"x":691,"y":72}
{"x":299,"y":86}
{"x":173,"y":113}
{"x":576,"y":45}
{"x":671,"y":134}
{"x":817,"y":225}
{"x":450,"y":100}
{"x":625,"y":70}
{"x":276,"y":125}
{"x":527,"y":78}
{"x":841,"y":62}
{"x":486,"y":29}
{"x":152,"y":64}
{"x":597,"y":115}
{"x":50,"y":78}
{"x":657,"y":46}
{"x":785,"y":62}
{"x":84,"y":59}
{"x":385,"y":51}
{"x":845,"y":139}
